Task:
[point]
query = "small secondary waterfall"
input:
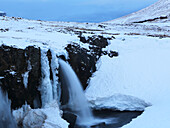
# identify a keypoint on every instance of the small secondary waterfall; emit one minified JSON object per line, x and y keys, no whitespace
{"x":46,"y":86}
{"x":54,"y":67}
{"x":49,"y":89}
{"x":77,"y":100}
{"x":6,"y":119}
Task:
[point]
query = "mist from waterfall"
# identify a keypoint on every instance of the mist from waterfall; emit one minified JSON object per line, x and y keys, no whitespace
{"x":6,"y":119}
{"x":77,"y":101}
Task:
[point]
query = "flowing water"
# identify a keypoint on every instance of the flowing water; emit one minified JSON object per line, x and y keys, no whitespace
{"x":6,"y":119}
{"x":78,"y":104}
{"x":46,"y":85}
{"x":77,"y":101}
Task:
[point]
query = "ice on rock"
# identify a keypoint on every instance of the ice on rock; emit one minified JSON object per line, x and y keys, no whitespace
{"x":46,"y":86}
{"x":119,"y":102}
{"x":47,"y":117}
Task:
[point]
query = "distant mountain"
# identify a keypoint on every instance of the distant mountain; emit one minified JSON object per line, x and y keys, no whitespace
{"x":2,"y":13}
{"x":157,"y":12}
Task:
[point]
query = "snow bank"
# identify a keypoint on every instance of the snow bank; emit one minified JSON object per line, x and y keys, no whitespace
{"x":119,"y":102}
{"x":142,"y":71}
{"x":48,"y":117}
{"x":153,"y":117}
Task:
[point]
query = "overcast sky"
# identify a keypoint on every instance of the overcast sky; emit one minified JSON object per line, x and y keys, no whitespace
{"x":72,"y":10}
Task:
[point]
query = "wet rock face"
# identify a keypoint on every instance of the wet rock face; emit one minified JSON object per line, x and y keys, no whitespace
{"x":49,"y":55}
{"x":98,"y":41}
{"x":83,"y":61}
{"x":71,"y":118}
{"x":14,"y":63}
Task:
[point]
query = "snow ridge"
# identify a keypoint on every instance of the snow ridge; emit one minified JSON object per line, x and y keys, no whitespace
{"x":158,"y":9}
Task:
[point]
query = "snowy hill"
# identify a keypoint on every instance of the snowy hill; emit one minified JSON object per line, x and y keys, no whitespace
{"x":134,"y":80}
{"x":158,"y":12}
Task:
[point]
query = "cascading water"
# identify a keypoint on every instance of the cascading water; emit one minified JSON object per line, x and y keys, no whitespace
{"x":49,"y":88}
{"x":54,"y":67}
{"x":46,"y":86}
{"x":6,"y":119}
{"x":77,"y":101}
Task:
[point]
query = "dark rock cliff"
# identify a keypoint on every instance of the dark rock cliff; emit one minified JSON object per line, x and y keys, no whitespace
{"x":14,"y":64}
{"x":83,"y":61}
{"x":20,"y":69}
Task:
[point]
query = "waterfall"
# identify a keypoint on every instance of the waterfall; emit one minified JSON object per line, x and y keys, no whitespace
{"x":54,"y":68}
{"x":46,"y":86}
{"x":77,"y":100}
{"x":6,"y":119}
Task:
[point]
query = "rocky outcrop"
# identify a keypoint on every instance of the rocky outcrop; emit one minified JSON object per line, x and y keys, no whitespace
{"x":20,"y":72}
{"x":154,"y":19}
{"x":83,"y":61}
{"x":71,"y":118}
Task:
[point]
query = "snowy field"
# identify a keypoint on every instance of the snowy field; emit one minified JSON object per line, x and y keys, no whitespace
{"x":138,"y":79}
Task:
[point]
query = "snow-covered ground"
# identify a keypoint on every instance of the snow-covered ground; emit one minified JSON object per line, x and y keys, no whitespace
{"x":157,"y":10}
{"x":142,"y":71}
{"x":47,"y":117}
{"x":139,"y":77}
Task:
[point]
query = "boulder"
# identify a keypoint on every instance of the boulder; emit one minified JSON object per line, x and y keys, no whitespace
{"x":113,"y":54}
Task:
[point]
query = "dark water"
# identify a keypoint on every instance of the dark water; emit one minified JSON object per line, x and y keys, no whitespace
{"x":117,"y":118}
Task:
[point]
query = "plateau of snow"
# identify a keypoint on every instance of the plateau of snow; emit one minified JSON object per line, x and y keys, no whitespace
{"x":142,"y":71}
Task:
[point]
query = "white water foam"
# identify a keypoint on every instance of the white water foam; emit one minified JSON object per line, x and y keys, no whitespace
{"x":77,"y":100}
